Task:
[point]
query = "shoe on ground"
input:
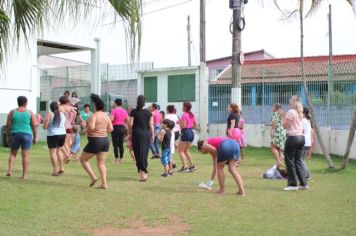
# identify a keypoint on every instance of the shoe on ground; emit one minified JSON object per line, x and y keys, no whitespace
{"x":303,"y":187}
{"x":291,"y":188}
{"x":210,"y":183}
{"x":165,"y":175}
{"x":192,"y":168}
{"x":183,"y":169}
{"x":170,"y":172}
{"x":202,"y":185}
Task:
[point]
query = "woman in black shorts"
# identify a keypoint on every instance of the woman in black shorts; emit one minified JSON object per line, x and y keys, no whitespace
{"x":98,"y":127}
{"x":56,"y":135}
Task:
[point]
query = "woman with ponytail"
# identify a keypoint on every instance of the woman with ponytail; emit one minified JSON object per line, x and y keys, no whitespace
{"x":293,"y":150}
{"x":187,"y":123}
{"x":232,"y":129}
{"x":56,"y":135}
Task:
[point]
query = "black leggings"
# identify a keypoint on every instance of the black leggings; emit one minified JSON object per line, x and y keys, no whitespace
{"x":293,"y":152}
{"x":118,"y":135}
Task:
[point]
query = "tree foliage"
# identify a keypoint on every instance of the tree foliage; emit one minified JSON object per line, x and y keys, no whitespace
{"x":22,"y":19}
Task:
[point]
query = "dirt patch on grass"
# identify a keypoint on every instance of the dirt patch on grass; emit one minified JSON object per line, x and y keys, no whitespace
{"x":139,"y":228}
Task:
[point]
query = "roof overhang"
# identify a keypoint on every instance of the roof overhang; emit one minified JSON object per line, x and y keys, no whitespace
{"x":45,"y":47}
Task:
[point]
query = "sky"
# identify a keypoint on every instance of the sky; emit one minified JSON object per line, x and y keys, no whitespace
{"x":164,"y":37}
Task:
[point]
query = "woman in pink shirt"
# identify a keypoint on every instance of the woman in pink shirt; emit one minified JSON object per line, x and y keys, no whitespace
{"x":223,"y":151}
{"x":157,"y":118}
{"x":187,"y":122}
{"x":119,"y":119}
{"x":293,"y":150}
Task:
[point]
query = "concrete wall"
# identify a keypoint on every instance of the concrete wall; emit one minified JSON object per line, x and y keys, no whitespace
{"x":162,"y":87}
{"x":258,"y":136}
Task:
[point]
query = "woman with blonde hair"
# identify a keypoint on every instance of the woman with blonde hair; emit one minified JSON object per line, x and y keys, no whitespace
{"x":293,"y":150}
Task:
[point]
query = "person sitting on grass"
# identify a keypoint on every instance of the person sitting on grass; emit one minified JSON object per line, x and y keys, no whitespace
{"x":223,"y":151}
{"x":165,"y":136}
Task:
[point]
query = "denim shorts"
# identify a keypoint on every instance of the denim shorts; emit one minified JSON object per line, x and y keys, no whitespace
{"x":228,"y":150}
{"x":166,"y":156}
{"x":157,"y":129}
{"x":187,"y":135}
{"x":20,"y":139}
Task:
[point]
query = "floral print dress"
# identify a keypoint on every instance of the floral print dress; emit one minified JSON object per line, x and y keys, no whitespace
{"x":279,"y":135}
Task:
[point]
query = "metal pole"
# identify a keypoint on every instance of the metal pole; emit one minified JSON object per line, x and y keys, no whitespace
{"x":236,"y":49}
{"x":203,"y":88}
{"x":330,"y":67}
{"x":189,"y":43}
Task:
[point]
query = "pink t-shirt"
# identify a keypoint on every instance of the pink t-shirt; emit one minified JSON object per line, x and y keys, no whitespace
{"x":215,"y":141}
{"x":295,"y":127}
{"x":119,"y":115}
{"x":189,"y":122}
{"x":157,"y":118}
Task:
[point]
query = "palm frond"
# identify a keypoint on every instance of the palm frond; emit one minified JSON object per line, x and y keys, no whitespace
{"x":4,"y":35}
{"x":315,"y":4}
{"x":130,"y":11}
{"x":353,"y":5}
{"x":29,"y":16}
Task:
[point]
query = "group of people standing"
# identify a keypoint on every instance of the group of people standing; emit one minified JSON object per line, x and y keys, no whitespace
{"x":144,"y":128}
{"x":291,"y":141}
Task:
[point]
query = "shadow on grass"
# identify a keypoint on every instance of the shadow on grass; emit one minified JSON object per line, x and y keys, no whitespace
{"x":45,"y":182}
{"x":331,"y":170}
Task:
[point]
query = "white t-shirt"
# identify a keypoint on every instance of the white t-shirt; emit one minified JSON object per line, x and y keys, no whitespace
{"x":307,"y":132}
{"x":172,"y":144}
{"x":175,"y":119}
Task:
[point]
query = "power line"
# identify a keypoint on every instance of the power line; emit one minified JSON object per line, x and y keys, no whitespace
{"x":154,"y":11}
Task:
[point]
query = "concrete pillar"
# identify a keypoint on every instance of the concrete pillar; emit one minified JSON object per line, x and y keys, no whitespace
{"x":203,"y":101}
{"x":95,"y":69}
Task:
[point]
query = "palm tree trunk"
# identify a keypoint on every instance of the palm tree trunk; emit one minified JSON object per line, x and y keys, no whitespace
{"x":310,"y":105}
{"x":350,"y":139}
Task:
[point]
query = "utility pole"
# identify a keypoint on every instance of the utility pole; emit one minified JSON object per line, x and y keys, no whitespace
{"x":237,"y":55}
{"x":203,"y":82}
{"x":189,"y":43}
{"x":330,"y":67}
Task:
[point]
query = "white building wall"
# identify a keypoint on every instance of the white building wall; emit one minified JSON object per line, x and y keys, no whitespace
{"x":162,"y":88}
{"x":258,"y":136}
{"x":19,"y":78}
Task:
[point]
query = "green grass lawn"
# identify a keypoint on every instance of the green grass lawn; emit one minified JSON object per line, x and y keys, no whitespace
{"x":65,"y":205}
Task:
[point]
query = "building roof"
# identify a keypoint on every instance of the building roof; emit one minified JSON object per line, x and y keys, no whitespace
{"x":247,"y":55}
{"x":169,"y":69}
{"x":289,"y":69}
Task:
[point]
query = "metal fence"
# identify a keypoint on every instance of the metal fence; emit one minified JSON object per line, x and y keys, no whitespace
{"x":115,"y":79}
{"x":258,"y":98}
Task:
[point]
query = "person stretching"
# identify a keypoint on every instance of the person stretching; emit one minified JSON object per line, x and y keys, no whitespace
{"x":223,"y":151}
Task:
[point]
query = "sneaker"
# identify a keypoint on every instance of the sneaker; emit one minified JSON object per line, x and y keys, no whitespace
{"x":210,"y":183}
{"x":165,"y":175}
{"x":184,"y":169}
{"x":202,"y":185}
{"x":291,"y":188}
{"x":192,"y":168}
{"x":155,"y":157}
{"x":303,"y":187}
{"x":170,"y":172}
